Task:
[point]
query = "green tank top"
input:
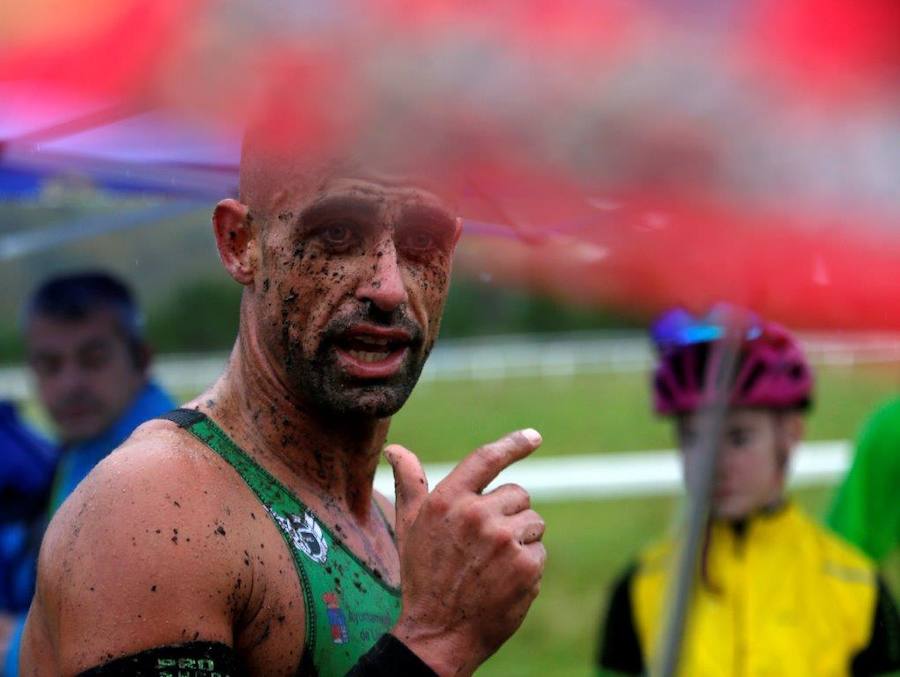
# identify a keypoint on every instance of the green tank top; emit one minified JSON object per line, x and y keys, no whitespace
{"x":348,"y":605}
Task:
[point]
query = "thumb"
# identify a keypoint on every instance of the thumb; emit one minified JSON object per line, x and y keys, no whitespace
{"x":410,"y":487}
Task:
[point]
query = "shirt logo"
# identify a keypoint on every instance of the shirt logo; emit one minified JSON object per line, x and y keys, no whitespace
{"x":306,"y":535}
{"x":336,"y":619}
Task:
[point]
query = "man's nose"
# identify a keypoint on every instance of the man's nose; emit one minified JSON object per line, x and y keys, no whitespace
{"x":68,"y":378}
{"x":382,"y":283}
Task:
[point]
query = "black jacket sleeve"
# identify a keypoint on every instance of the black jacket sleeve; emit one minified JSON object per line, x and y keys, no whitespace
{"x":882,"y":655}
{"x":619,"y":649}
{"x":390,"y":657}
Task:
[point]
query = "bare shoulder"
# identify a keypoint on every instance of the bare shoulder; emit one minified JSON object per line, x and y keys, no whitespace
{"x":160,"y":478}
{"x":150,"y":525}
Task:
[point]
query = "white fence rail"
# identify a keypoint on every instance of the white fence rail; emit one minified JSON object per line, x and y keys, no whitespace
{"x":601,"y":476}
{"x":516,"y":356}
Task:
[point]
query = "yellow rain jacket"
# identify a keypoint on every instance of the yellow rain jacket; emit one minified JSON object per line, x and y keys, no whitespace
{"x":783,"y":597}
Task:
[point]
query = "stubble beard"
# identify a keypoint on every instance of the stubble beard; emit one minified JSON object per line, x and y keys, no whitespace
{"x":322,"y":383}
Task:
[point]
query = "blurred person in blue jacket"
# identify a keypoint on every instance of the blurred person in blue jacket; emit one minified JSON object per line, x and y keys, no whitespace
{"x":27,"y":463}
{"x":90,"y":362}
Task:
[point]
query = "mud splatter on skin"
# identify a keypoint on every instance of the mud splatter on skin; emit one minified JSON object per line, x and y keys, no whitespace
{"x":324,"y":462}
{"x":307,"y":257}
{"x":307,"y":297}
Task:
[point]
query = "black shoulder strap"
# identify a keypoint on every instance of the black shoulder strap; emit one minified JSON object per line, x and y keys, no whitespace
{"x":183,"y":418}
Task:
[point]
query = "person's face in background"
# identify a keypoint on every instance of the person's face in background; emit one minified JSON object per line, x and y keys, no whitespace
{"x":752,"y":462}
{"x":85,"y":371}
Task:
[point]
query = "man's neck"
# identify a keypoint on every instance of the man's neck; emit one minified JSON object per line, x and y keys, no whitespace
{"x":333,"y":459}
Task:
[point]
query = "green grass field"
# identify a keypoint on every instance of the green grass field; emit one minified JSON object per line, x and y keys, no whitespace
{"x":598,"y":412}
{"x":589,"y":542}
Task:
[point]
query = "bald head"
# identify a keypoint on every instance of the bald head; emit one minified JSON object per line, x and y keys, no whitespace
{"x":276,"y":175}
{"x":273,"y":178}
{"x":347,"y":281}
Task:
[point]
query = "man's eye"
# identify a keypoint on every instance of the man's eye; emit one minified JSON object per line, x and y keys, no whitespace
{"x":45,"y":366}
{"x":419,"y":240}
{"x":337,"y":235}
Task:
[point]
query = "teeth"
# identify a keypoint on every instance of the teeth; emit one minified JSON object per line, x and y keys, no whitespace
{"x":368,"y":356}
{"x":372,"y":340}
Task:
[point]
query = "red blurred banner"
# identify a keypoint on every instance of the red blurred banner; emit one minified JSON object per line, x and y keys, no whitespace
{"x":750,"y":148}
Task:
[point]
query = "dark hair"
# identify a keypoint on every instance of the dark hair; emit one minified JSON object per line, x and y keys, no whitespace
{"x":75,"y":296}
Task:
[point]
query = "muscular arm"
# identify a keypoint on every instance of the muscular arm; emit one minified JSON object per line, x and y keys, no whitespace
{"x":138,"y":559}
{"x":134,"y":560}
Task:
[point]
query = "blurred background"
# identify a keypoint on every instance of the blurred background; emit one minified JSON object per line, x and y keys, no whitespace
{"x":610,"y":159}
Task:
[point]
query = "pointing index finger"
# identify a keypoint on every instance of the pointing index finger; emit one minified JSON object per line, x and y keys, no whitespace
{"x":479,"y":468}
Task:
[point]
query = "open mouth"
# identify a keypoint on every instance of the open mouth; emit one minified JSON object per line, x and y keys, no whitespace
{"x":373,"y":352}
{"x":370,"y":348}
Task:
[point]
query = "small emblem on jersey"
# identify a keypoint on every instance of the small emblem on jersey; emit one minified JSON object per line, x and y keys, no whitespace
{"x":339,"y":634}
{"x":306,"y":535}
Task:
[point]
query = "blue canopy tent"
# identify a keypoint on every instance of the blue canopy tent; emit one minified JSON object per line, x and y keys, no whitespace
{"x":46,"y":138}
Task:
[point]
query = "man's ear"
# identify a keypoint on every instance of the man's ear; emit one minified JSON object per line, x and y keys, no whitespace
{"x":235,"y":239}
{"x":459,"y":229}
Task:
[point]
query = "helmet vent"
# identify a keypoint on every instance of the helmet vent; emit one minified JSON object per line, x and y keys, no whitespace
{"x":663,"y":390}
{"x":699,"y":358}
{"x":756,"y":372}
{"x":797,"y":372}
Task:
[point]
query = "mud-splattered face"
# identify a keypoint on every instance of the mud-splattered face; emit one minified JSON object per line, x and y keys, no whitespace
{"x":351,"y":286}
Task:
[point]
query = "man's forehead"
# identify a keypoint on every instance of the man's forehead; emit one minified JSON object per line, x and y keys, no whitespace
{"x":102,"y":321}
{"x":272,"y":182}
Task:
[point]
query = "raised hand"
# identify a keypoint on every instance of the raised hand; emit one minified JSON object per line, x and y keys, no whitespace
{"x":471,"y":563}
